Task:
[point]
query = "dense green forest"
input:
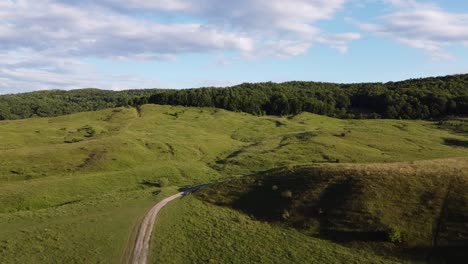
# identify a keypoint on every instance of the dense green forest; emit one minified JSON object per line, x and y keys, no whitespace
{"x":426,"y":98}
{"x":59,"y":102}
{"x":412,"y":99}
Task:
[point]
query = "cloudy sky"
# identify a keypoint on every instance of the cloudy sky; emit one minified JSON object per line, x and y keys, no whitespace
{"x":121,"y":44}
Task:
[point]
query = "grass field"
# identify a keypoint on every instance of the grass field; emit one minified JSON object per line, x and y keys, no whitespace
{"x":92,"y":231}
{"x":95,"y":174}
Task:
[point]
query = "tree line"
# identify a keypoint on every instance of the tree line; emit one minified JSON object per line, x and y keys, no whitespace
{"x":428,"y":98}
{"x":58,"y":102}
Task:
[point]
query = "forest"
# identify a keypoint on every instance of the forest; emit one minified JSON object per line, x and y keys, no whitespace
{"x":426,"y":98}
{"x":58,"y":102}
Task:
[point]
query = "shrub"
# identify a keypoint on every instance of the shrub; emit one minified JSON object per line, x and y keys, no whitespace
{"x":285,"y":215}
{"x":274,"y":188}
{"x":73,"y":140}
{"x":164,"y":182}
{"x":394,"y":235}
{"x":286,"y":194}
{"x":240,"y":219}
{"x":90,"y":132}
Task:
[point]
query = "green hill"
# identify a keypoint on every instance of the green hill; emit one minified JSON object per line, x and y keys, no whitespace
{"x":74,"y":187}
{"x":422,"y":207}
{"x":191,"y":231}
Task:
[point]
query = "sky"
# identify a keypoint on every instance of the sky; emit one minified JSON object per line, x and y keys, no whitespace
{"x":127,"y":44}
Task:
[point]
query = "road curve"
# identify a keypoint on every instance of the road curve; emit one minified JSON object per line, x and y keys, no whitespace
{"x":141,"y":249}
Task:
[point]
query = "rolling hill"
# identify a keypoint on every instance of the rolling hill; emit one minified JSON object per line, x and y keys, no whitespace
{"x":74,"y":187}
{"x":417,"y":211}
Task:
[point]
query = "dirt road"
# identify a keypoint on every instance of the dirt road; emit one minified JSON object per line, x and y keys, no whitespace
{"x":141,"y":249}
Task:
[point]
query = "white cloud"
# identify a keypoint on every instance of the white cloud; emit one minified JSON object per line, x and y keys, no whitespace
{"x":69,"y":30}
{"x":25,"y":70}
{"x":165,"y":5}
{"x":287,"y":48}
{"x":422,"y":26}
{"x":340,"y":41}
{"x":265,"y":21}
{"x":42,"y":42}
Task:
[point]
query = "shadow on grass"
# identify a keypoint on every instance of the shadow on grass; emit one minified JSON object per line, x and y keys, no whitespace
{"x":151,"y":184}
{"x":69,"y":202}
{"x":338,"y":220}
{"x":456,"y":142}
{"x":191,"y":189}
{"x":332,"y":205}
{"x":447,"y":254}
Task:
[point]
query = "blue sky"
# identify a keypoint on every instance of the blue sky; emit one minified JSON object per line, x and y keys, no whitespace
{"x":124,"y":44}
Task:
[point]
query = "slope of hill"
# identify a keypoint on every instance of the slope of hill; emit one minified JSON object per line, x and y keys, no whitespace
{"x":415,"y":210}
{"x":190,"y":231}
{"x":74,"y":186}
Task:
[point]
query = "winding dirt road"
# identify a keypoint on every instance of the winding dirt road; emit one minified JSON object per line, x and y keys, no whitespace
{"x":141,"y":249}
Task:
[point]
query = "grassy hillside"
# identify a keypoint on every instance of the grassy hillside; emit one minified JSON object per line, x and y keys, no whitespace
{"x":95,"y":174}
{"x":189,"y":146}
{"x":407,"y":209}
{"x":190,"y":231}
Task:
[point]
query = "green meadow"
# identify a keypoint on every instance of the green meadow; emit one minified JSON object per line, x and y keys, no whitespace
{"x":74,"y":188}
